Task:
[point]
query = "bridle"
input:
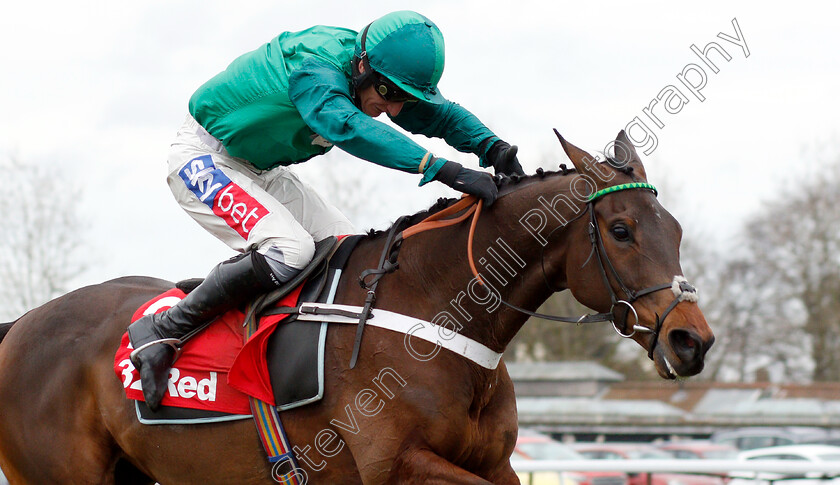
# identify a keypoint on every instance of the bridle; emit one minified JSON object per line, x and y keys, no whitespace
{"x":471,"y":206}
{"x":679,"y":285}
{"x":683,"y":291}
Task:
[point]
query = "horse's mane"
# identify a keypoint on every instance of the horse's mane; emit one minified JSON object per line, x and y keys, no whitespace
{"x":505,"y":184}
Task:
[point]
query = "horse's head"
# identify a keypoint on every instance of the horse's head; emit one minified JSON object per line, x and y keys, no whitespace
{"x":632,"y":267}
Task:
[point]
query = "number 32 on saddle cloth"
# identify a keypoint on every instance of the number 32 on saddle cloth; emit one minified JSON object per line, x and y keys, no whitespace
{"x":216,"y":370}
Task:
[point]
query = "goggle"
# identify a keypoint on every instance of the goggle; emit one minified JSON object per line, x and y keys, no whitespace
{"x":390,"y":91}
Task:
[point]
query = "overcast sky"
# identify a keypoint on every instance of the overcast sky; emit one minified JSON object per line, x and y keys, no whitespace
{"x":100,"y":88}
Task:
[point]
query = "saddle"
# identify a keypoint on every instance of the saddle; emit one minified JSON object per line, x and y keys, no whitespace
{"x":281,"y":364}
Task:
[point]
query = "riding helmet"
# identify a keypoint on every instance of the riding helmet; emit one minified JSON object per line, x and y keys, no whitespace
{"x":405,"y":47}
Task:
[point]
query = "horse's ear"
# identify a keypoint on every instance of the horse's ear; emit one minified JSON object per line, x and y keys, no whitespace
{"x":583,"y":161}
{"x":625,"y":154}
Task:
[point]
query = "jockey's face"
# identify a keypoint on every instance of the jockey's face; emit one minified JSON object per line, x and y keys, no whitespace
{"x":373,"y":104}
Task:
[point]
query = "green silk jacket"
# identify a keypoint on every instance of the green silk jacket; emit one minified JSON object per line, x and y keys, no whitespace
{"x":292,"y":99}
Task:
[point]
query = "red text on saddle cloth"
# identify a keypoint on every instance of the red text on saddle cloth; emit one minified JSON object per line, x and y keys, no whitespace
{"x":200,"y":377}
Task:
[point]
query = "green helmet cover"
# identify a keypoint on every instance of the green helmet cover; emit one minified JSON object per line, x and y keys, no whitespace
{"x":407,"y":48}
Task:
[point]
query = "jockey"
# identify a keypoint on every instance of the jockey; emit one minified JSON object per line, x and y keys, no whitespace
{"x":284,"y":103}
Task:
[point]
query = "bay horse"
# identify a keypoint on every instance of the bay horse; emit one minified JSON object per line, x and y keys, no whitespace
{"x":64,"y":417}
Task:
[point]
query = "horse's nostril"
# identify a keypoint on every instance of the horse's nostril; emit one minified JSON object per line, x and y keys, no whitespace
{"x":687,"y":345}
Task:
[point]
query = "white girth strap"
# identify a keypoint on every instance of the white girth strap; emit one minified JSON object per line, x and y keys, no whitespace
{"x":412,"y":328}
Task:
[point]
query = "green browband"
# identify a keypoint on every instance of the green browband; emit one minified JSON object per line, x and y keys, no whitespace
{"x":616,"y":188}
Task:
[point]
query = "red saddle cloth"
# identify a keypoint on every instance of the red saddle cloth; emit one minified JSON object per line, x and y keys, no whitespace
{"x":216,"y":370}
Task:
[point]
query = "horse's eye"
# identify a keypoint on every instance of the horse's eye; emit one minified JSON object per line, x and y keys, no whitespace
{"x":620,"y":233}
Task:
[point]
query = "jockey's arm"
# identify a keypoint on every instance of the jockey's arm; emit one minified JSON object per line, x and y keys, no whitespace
{"x":321,"y":93}
{"x":453,"y":123}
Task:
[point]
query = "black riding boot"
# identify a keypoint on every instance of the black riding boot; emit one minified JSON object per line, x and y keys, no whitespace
{"x":156,"y":337}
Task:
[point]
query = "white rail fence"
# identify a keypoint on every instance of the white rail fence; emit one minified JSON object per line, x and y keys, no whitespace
{"x":787,"y":467}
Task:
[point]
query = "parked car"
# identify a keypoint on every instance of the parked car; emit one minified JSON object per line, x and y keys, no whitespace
{"x":643,"y":451}
{"x":799,"y":453}
{"x":699,"y":449}
{"x":531,"y":445}
{"x":762,"y":437}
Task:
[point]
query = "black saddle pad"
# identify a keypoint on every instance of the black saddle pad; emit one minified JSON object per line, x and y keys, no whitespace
{"x":296,"y":349}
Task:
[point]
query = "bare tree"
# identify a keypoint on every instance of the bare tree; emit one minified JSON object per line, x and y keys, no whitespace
{"x":781,"y":300}
{"x":41,"y":238}
{"x":796,"y":242}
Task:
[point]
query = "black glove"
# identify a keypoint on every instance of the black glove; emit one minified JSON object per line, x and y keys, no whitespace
{"x":503,"y":158}
{"x":471,"y":182}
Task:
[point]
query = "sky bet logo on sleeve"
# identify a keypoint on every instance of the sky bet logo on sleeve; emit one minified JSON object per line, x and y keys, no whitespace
{"x":227,"y":200}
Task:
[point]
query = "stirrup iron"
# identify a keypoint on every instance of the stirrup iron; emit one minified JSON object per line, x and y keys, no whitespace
{"x":172,"y":342}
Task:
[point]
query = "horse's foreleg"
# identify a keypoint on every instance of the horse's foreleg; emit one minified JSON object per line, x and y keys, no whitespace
{"x":426,"y":467}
